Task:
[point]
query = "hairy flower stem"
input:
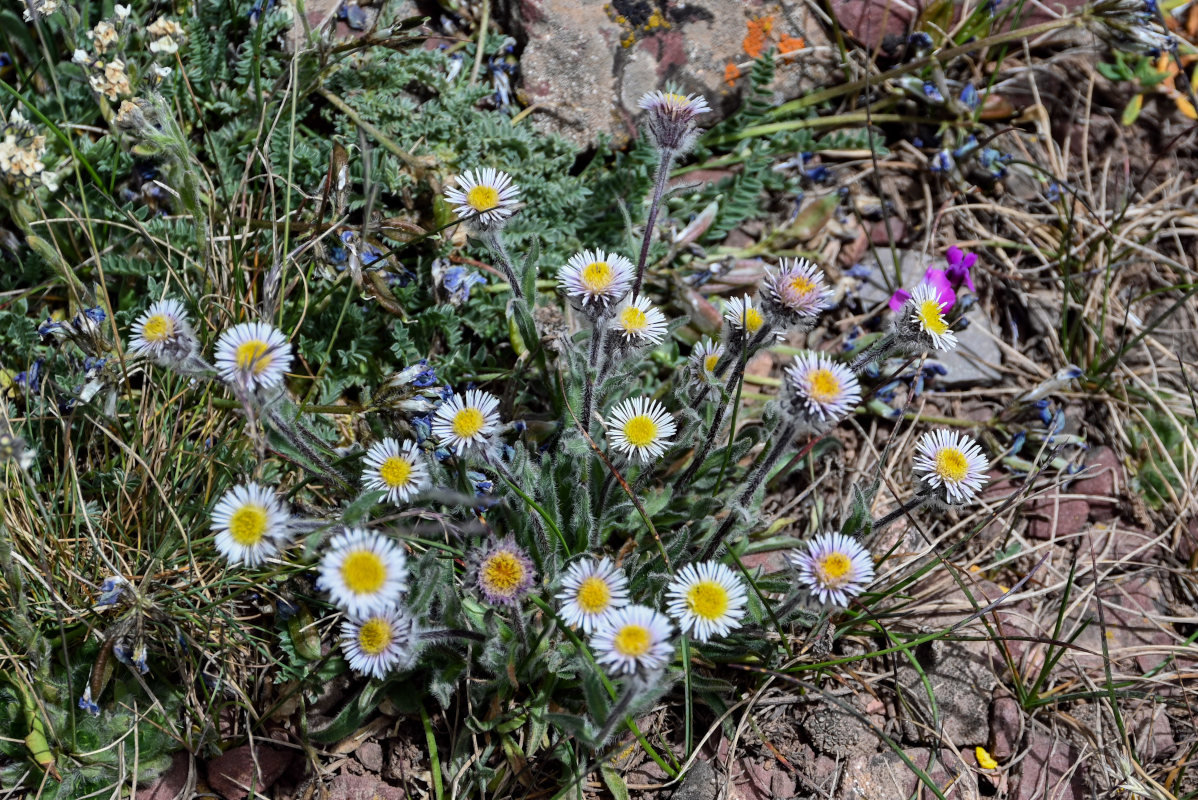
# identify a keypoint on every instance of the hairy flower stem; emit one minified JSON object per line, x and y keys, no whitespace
{"x":781,"y":444}
{"x":617,"y":712}
{"x":659,"y":188}
{"x":875,"y":352}
{"x":904,"y":509}
{"x":592,"y":373}
{"x":494,"y":242}
{"x":303,"y":440}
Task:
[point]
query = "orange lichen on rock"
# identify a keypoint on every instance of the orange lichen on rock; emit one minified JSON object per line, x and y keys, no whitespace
{"x":754,"y":42}
{"x":731,"y":73}
{"x":789,"y":44}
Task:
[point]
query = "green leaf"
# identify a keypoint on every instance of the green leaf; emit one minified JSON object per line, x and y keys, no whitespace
{"x":524,"y":323}
{"x":1132,"y":112}
{"x":351,"y":716}
{"x":361,"y":506}
{"x":528,"y":272}
{"x":304,"y":635}
{"x":614,"y":781}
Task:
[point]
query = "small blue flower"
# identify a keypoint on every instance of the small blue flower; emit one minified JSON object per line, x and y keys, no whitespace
{"x":932,"y":93}
{"x":919,"y":40}
{"x":285,"y":609}
{"x":970,"y":98}
{"x":1017,"y":443}
{"x":818,"y":174}
{"x":942,"y":162}
{"x":95,"y":314}
{"x":86,"y":703}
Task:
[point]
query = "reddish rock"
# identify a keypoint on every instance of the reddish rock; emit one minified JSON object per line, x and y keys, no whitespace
{"x":233,"y":773}
{"x":1052,"y":516}
{"x":1129,"y":613}
{"x":1150,"y":731}
{"x":770,"y":562}
{"x":877,"y":231}
{"x":171,"y":783}
{"x":1006,"y":726}
{"x":885,"y":776}
{"x":370,"y":756}
{"x":761,"y":780}
{"x":1050,"y":770}
{"x":1112,"y":543}
{"x":1102,"y":482}
{"x":877,"y":24}
{"x":362,"y":787}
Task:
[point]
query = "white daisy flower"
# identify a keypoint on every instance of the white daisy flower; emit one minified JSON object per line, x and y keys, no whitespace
{"x":640,"y":427}
{"x":671,"y":118}
{"x":253,"y":355}
{"x":397,"y":469}
{"x":834,"y":567}
{"x":363,"y":572}
{"x":926,"y":313}
{"x":823,"y":389}
{"x":674,"y":104}
{"x":163,"y":331}
{"x":381,"y":643}
{"x":640,"y":322}
{"x":705,"y":355}
{"x":594,"y":276}
{"x":706,"y":599}
{"x":952,"y":463}
{"x":591,"y":591}
{"x":742,"y":316}
{"x":250,"y":524}
{"x":466,"y":420}
{"x":486,"y":194}
{"x":634,"y":638}
{"x":797,"y":291}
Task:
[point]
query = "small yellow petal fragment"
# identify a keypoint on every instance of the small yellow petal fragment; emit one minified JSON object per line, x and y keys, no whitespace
{"x":985,"y":760}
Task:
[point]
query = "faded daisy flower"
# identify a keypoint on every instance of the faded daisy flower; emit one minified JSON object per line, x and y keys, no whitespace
{"x":834,"y":567}
{"x":796,"y":293}
{"x":503,"y":572}
{"x":671,"y":118}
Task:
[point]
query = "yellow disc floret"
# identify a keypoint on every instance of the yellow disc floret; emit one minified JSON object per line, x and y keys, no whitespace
{"x":833,"y":567}
{"x":631,"y":641}
{"x":640,"y":431}
{"x":823,"y":386}
{"x":158,"y":328}
{"x":594,"y":595}
{"x":395,"y":472}
{"x":597,"y":276}
{"x":707,"y":600}
{"x":710,"y":361}
{"x":753,"y":320}
{"x":253,"y":356}
{"x":633,"y":319}
{"x":951,"y":464}
{"x":247,"y":525}
{"x":374,"y":636}
{"x":363,"y":572}
{"x":468,"y":422}
{"x":931,"y":317}
{"x":502,"y":573}
{"x":482,"y":198}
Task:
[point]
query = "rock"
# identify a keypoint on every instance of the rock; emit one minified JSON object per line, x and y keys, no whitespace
{"x":586,"y":63}
{"x":761,"y":780}
{"x":233,"y":772}
{"x":878,"y":231}
{"x":1130,"y":613}
{"x":1006,"y":726}
{"x":370,"y":756}
{"x":699,"y":784}
{"x":362,"y":787}
{"x":1053,"y":516}
{"x":1114,"y":544}
{"x":171,"y":783}
{"x":968,"y":364}
{"x":1102,"y":481}
{"x":1150,"y":731}
{"x":1187,"y":545}
{"x":770,"y":561}
{"x":1050,"y":770}
{"x":885,"y":776}
{"x":961,"y":680}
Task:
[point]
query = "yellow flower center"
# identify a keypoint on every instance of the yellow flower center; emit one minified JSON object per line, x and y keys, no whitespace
{"x":931,"y":318}
{"x":633,"y":319}
{"x":158,"y":328}
{"x":640,"y":431}
{"x":710,"y":361}
{"x":674,"y":97}
{"x":594,"y":595}
{"x":374,"y":636}
{"x":482,"y":198}
{"x":631,"y":641}
{"x":951,"y":464}
{"x":467,"y":423}
{"x":823,"y":385}
{"x":247,"y":525}
{"x":253,"y":356}
{"x":395,"y":472}
{"x":832,"y":568}
{"x":597,"y":276}
{"x":502,"y":573}
{"x":363,"y":572}
{"x":800,"y":285}
{"x":752,"y":320}
{"x":707,"y":600}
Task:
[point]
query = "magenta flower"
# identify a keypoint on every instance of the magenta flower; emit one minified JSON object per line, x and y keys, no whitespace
{"x":945,"y":282}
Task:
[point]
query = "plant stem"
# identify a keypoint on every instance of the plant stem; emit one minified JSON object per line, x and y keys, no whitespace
{"x":659,"y":188}
{"x":904,"y":509}
{"x":494,"y":243}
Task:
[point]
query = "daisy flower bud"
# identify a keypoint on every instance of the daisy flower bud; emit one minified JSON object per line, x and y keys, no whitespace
{"x":591,"y":592}
{"x":595,"y":280}
{"x":636,"y":638}
{"x":950,"y":464}
{"x":364,"y":572}
{"x":487,"y":196}
{"x":250,"y":524}
{"x":670,"y":118}
{"x":640,"y":428}
{"x":922,"y":322}
{"x":378,"y":644}
{"x":466,"y":421}
{"x":819,"y":390}
{"x":399,"y":470}
{"x":707,"y":600}
{"x":639,"y":323}
{"x":163,"y":333}
{"x":503,"y":572}
{"x":796,"y":293}
{"x":704,"y":357}
{"x":834,"y":568}
{"x":253,"y":355}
